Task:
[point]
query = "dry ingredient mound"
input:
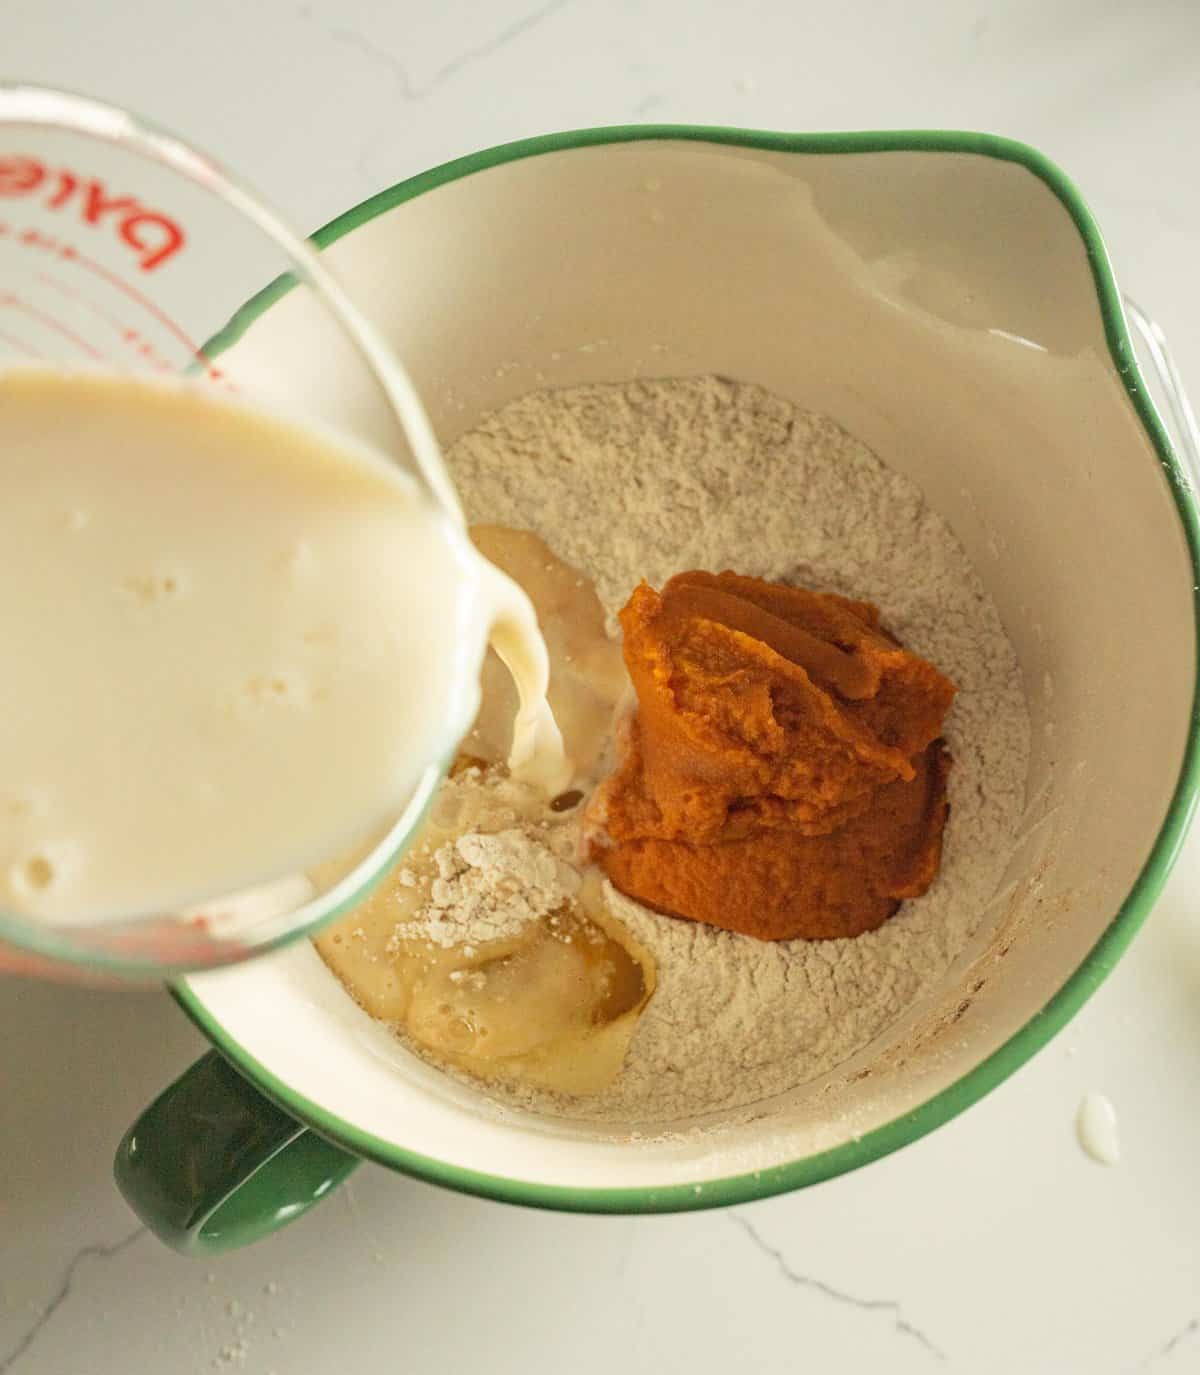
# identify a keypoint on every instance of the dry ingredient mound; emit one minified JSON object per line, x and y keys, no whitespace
{"x":490,"y":887}
{"x":643,"y":479}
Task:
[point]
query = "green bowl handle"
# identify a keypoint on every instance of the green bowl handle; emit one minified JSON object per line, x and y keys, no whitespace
{"x":211,"y":1164}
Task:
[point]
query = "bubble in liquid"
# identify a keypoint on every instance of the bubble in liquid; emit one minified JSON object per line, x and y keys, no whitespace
{"x":150,"y":588}
{"x":297,"y":559}
{"x":33,"y":875}
{"x":281,"y":688}
{"x":38,"y":872}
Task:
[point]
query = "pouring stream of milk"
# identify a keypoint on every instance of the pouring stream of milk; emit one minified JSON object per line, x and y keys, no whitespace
{"x":232,"y":646}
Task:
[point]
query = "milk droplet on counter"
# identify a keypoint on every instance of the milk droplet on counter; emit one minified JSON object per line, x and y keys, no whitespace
{"x":1096,"y":1128}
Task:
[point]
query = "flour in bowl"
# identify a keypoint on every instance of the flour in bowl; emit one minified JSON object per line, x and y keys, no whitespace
{"x":645,"y":479}
{"x":490,"y":886}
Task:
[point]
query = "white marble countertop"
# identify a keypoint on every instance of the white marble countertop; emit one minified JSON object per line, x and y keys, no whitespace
{"x":992,"y":1246}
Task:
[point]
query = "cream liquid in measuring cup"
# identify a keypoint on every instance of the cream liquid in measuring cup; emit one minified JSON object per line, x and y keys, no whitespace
{"x":233,"y":645}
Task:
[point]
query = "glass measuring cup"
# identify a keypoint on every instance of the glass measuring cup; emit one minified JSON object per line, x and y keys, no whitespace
{"x":123,"y":249}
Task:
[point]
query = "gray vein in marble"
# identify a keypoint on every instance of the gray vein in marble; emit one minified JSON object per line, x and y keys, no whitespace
{"x":1165,"y":1350}
{"x":506,"y":35}
{"x":405,"y":87}
{"x":892,"y":1306}
{"x":96,"y":1251}
{"x":361,"y":43}
{"x":352,"y":38}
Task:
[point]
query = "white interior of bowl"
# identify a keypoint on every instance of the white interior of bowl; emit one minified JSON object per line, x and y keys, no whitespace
{"x":941,"y":308}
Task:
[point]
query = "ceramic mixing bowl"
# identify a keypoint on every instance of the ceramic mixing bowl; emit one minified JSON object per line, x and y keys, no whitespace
{"x":947,"y":298}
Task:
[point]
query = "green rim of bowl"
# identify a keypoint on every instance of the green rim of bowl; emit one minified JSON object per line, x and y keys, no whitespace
{"x":1099,"y":961}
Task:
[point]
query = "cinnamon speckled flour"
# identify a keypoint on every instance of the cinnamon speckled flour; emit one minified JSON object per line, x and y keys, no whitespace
{"x":645,"y":479}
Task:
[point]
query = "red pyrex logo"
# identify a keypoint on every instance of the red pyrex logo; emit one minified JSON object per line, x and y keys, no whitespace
{"x":153,"y":237}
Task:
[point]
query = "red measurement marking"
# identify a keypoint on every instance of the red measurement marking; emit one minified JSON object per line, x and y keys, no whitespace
{"x":18,"y":345}
{"x":72,"y":295}
{"x":128,"y":335}
{"x":74,"y":255}
{"x":69,"y":253}
{"x":34,"y":238}
{"x":51,"y":323}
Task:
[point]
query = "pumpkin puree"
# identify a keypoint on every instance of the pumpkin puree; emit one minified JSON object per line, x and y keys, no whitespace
{"x":783,"y":775}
